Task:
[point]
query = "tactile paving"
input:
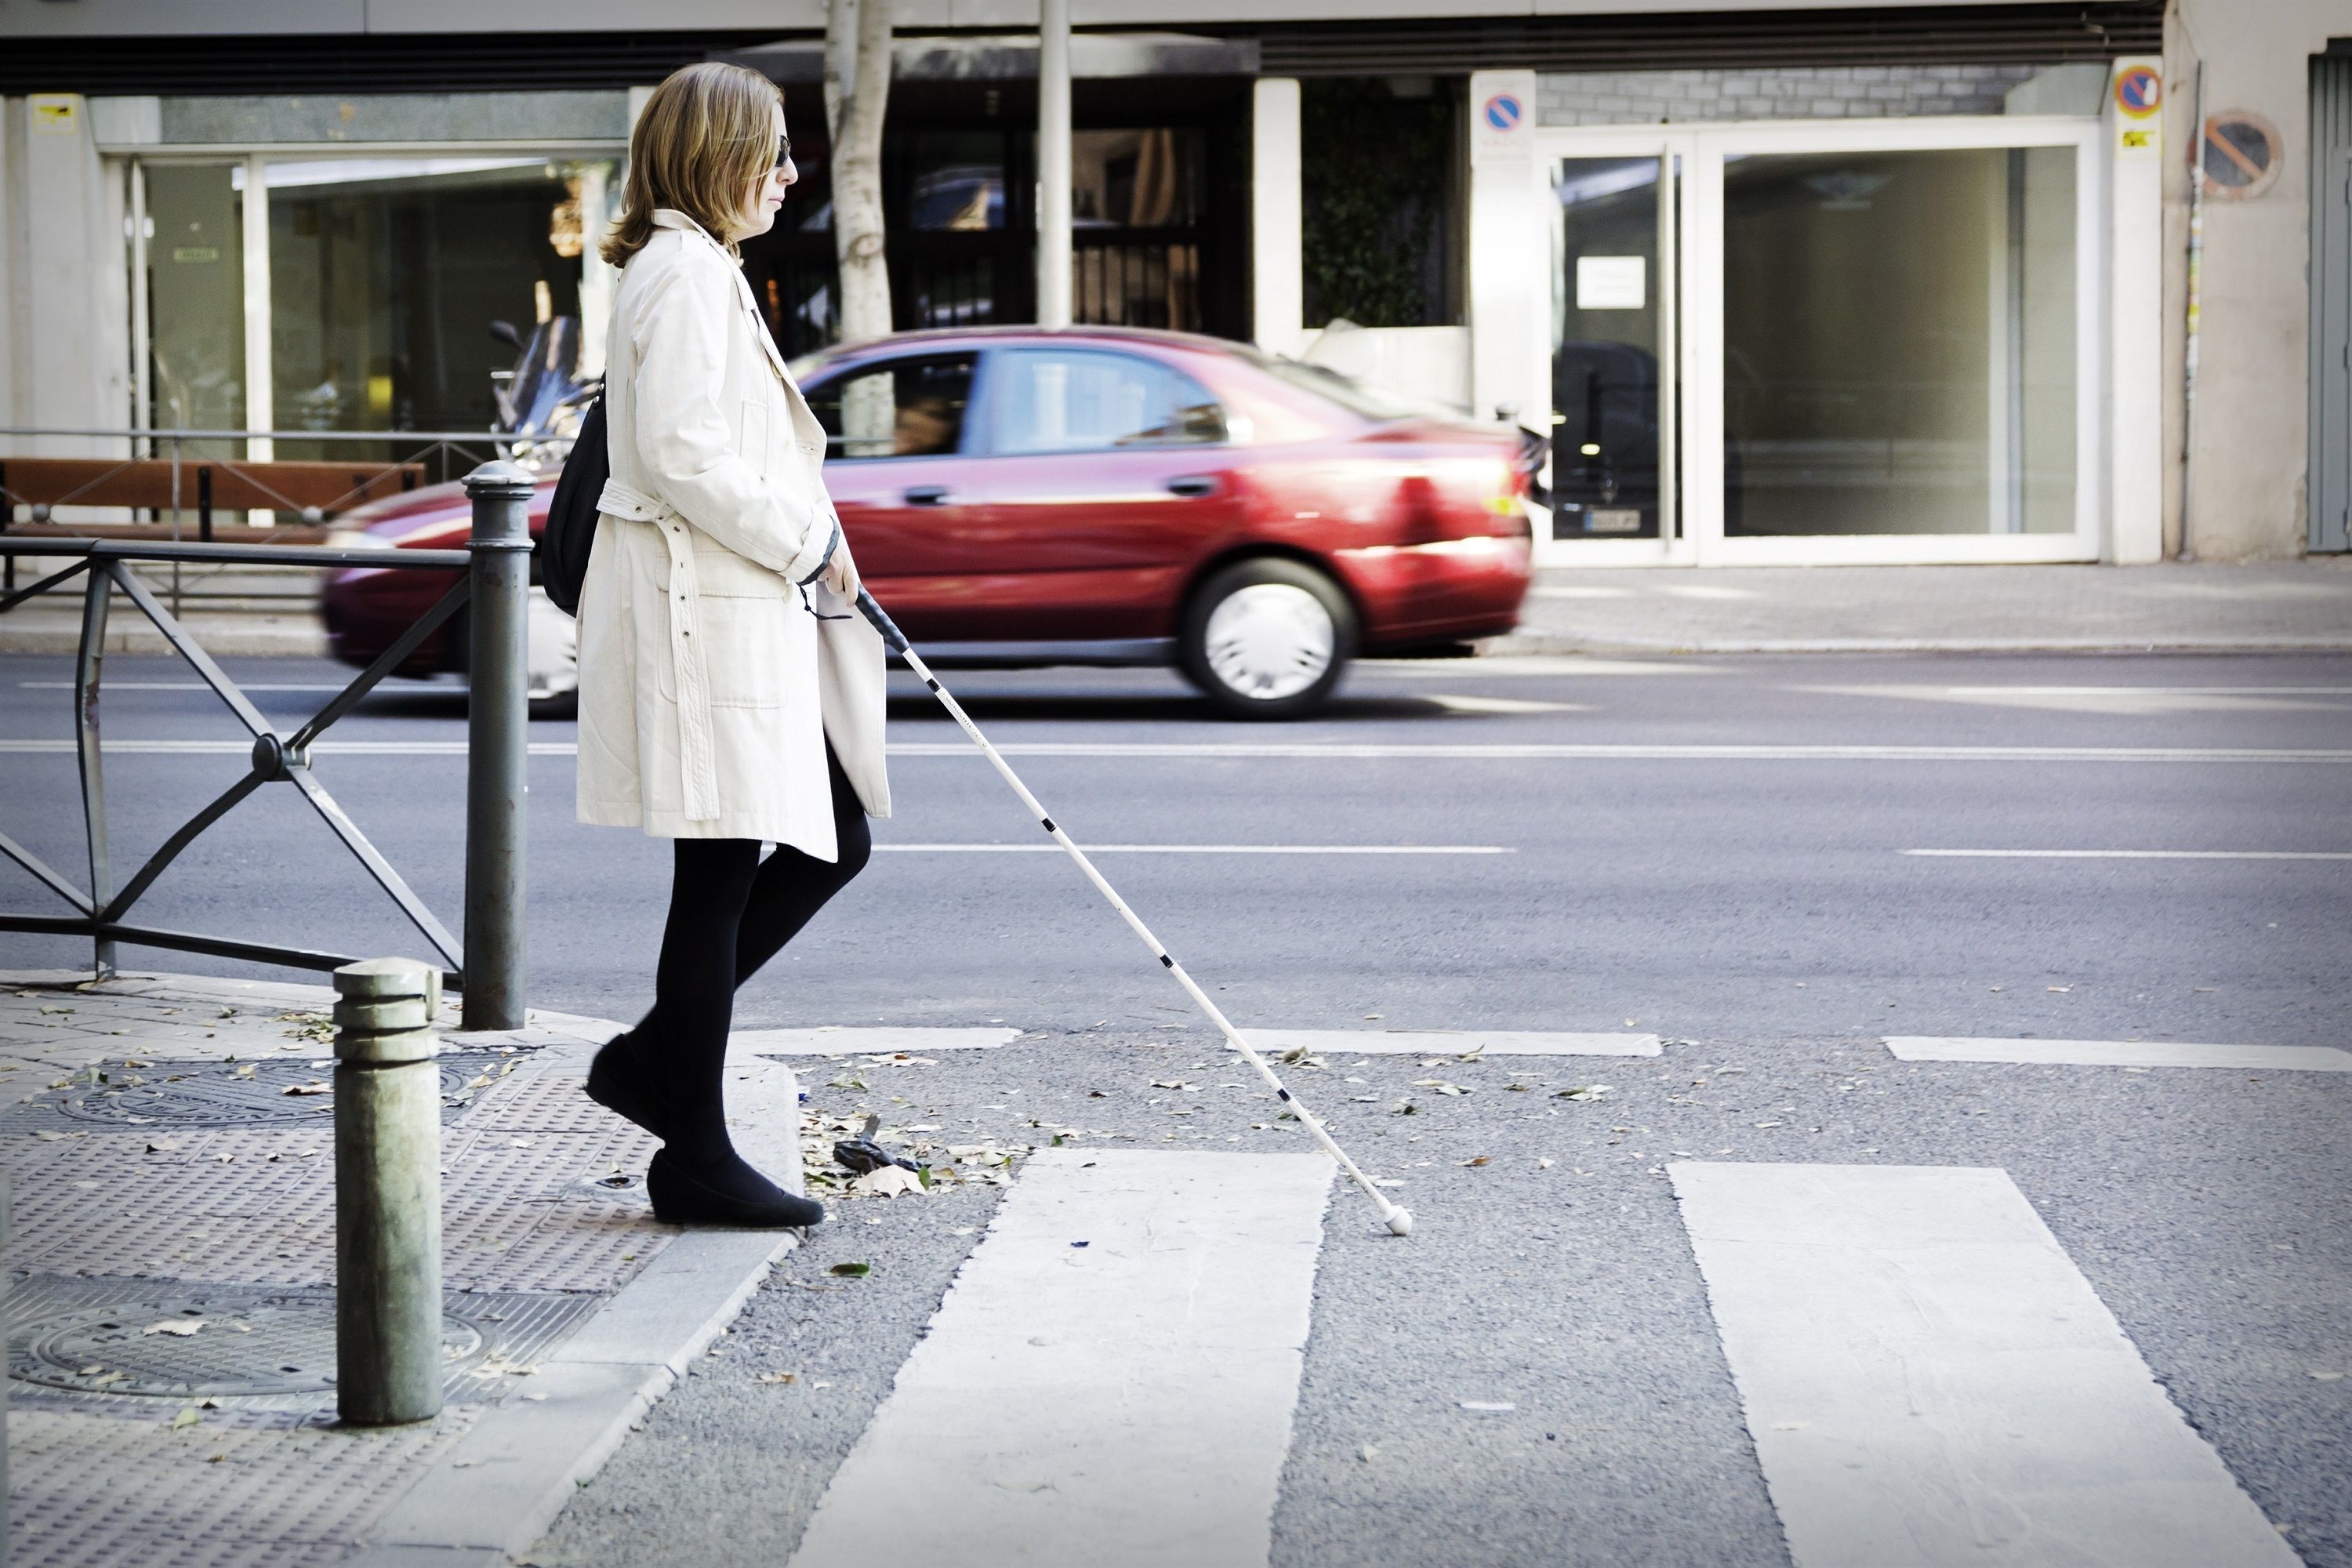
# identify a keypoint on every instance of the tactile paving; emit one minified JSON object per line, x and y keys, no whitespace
{"x":84,"y":1489}
{"x":187,"y":1095}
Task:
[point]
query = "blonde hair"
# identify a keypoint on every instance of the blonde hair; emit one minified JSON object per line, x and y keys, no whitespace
{"x":705,"y":136}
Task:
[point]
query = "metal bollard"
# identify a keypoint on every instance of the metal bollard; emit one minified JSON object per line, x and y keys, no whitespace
{"x":387,"y":1193}
{"x":496,"y":733}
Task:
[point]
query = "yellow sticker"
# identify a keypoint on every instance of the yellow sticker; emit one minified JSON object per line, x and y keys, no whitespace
{"x":55,"y":113}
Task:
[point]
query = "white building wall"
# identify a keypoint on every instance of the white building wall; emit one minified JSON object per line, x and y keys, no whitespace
{"x":2249,"y":500}
{"x":64,"y":283}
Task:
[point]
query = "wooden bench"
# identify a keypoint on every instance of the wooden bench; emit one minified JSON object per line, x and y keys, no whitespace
{"x":204,"y":485}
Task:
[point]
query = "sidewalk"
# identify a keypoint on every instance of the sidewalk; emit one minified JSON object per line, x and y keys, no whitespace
{"x":170,"y":1148}
{"x":2298,"y":606}
{"x":2277,"y":606}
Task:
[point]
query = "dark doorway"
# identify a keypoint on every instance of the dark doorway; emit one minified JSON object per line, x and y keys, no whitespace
{"x":1160,"y":199}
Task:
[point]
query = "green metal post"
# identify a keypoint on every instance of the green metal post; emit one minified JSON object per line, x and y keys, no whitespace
{"x":496,"y":735}
{"x":387,"y":1193}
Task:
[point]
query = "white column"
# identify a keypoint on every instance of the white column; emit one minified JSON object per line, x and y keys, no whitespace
{"x":260,"y":413}
{"x":1508,"y":302}
{"x":2135,"y":435}
{"x":1054,"y":162}
{"x":1277,"y":219}
{"x":64,"y":239}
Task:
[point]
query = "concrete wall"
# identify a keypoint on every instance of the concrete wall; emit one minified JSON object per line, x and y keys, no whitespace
{"x":2249,"y":502}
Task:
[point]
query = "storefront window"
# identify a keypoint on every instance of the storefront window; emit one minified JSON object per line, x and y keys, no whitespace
{"x":389,"y":278}
{"x":195,"y":296}
{"x":1900,"y":346}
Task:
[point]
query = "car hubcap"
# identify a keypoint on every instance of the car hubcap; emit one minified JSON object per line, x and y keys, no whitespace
{"x":1269,"y":641}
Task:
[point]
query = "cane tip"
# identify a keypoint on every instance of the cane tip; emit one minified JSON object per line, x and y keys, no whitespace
{"x":1400,"y":1222}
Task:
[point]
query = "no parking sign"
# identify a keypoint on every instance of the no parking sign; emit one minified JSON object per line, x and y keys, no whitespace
{"x":2139,"y":101}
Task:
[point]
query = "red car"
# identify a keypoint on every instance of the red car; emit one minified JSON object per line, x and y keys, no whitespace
{"x":1103,"y":496}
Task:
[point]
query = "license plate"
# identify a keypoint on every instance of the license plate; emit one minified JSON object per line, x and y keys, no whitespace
{"x":1614,"y":519}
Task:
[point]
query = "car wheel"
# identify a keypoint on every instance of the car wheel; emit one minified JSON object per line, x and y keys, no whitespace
{"x":554,"y":658}
{"x":1267,"y":638}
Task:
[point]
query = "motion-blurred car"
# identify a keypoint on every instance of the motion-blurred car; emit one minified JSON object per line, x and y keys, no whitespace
{"x":1105,"y":496}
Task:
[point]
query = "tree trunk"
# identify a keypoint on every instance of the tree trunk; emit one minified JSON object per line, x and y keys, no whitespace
{"x":857,"y":96}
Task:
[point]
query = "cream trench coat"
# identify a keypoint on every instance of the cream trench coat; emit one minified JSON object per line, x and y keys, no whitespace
{"x":713,"y":666}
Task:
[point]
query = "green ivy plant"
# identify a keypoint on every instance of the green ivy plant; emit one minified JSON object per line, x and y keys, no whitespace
{"x":1373,"y":183}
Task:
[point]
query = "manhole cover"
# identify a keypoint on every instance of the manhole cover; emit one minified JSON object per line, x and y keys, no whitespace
{"x":190,"y":1346}
{"x":219,"y":1094}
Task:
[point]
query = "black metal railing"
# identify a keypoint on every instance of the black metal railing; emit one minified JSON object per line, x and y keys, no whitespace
{"x":496,"y":561}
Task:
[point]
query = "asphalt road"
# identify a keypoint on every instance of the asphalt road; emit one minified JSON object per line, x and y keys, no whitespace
{"x":1733,"y":875}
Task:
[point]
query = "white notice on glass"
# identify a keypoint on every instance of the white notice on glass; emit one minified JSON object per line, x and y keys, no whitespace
{"x":1612,"y":282}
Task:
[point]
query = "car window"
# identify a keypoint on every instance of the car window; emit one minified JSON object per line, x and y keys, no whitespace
{"x":1064,"y":400}
{"x":906,"y":408}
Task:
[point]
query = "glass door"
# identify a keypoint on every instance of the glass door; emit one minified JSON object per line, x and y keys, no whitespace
{"x":1612,"y":387}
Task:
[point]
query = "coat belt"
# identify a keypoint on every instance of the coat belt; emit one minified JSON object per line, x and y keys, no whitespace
{"x":697,"y":766}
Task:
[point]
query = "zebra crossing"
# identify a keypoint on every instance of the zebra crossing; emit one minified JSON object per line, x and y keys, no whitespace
{"x":1926,"y":1376}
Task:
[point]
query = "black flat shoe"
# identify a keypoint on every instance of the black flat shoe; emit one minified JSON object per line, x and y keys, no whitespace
{"x":619,"y":1082}
{"x":729,"y":1193}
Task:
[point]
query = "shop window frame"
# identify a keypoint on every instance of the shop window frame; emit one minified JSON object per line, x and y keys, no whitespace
{"x":1696,"y":234}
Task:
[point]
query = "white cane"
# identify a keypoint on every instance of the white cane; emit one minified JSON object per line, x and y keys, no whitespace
{"x":1398,"y":1221}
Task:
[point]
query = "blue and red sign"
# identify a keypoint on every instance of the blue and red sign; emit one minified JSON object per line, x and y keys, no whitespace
{"x":2139,"y":91}
{"x":1504,"y":112}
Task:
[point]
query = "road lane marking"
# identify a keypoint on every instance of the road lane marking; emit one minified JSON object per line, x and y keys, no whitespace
{"x":2117,"y":1052}
{"x":844,"y":1041}
{"x":2131,"y":854}
{"x":2123,"y":701}
{"x":1929,"y":1380}
{"x":1125,"y":1401}
{"x":1202,"y":848}
{"x":1343,"y":750}
{"x":1457,"y":702}
{"x":1453,"y":1042}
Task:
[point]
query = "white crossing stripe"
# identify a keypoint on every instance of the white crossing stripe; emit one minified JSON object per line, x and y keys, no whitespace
{"x":836,"y":1041}
{"x":1202,"y":848}
{"x":1452,"y":1042}
{"x":1929,"y":1380}
{"x":2119,"y":1053}
{"x":2133,"y":853}
{"x":1123,"y":1401}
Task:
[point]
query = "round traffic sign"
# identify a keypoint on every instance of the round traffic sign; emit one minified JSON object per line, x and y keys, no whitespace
{"x":2242,"y":155}
{"x":2140,"y":92}
{"x":1503,"y":112}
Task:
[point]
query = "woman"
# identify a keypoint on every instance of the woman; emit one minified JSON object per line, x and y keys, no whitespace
{"x":728,"y":693}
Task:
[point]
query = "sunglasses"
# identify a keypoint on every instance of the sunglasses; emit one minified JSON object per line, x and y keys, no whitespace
{"x":783,"y":151}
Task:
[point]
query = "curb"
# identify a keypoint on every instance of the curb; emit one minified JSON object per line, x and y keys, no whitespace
{"x":1562,"y":642}
{"x":293,"y":639}
{"x":497,"y":1493}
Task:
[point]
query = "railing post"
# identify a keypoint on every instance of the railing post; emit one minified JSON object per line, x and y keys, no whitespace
{"x":387,"y":1193}
{"x":87,"y":667}
{"x":497,"y":722}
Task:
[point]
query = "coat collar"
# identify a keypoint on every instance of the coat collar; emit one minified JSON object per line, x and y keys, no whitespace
{"x":670,"y":217}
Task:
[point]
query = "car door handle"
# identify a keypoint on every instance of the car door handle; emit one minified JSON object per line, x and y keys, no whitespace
{"x":927,"y":495}
{"x":1193,"y":485}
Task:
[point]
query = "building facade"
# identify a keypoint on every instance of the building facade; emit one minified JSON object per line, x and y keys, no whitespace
{"x":1803,"y":283}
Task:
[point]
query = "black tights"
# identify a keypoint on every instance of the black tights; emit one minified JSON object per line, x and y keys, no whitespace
{"x":729,"y":912}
